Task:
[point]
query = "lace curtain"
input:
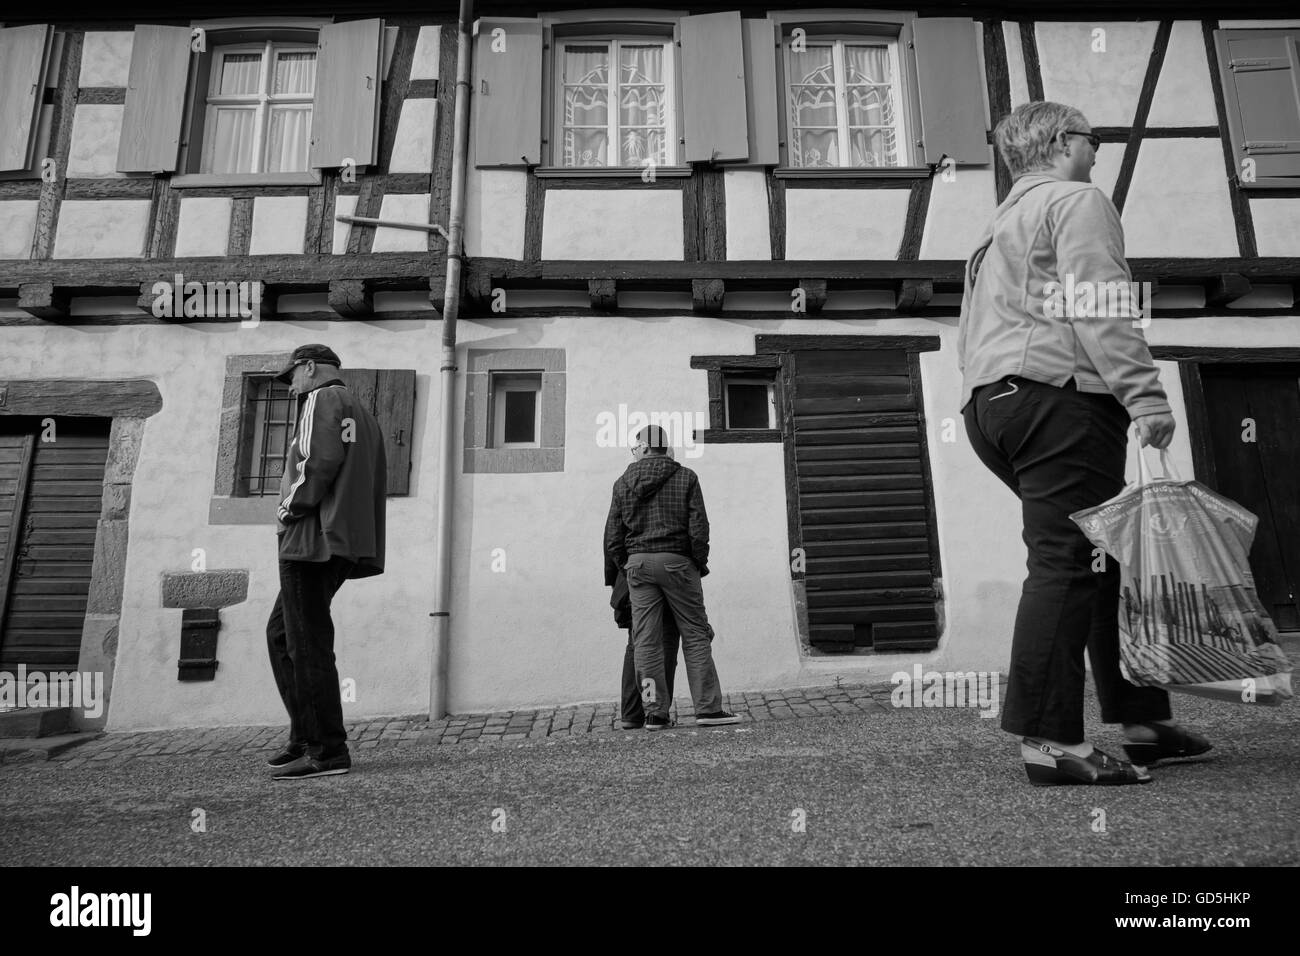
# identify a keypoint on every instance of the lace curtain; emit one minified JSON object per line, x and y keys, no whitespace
{"x":869,"y":120}
{"x":640,"y":121}
{"x":287,"y":111}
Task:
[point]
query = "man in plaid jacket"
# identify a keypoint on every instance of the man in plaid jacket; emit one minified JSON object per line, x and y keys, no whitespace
{"x":658,"y":531}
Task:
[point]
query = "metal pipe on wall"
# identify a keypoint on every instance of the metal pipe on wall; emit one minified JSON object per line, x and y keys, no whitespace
{"x":447,"y":432}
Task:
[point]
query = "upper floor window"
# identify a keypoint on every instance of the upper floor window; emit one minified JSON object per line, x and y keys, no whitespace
{"x":846,"y":105}
{"x":259,"y":108}
{"x":615,"y":102}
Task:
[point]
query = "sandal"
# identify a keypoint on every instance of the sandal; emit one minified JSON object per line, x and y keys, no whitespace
{"x":1057,"y":768}
{"x":1171,"y":743}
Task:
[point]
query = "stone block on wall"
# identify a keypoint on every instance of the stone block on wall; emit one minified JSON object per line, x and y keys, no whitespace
{"x":204,"y":588}
{"x":844,"y":223}
{"x":17,"y":227}
{"x":101,"y":228}
{"x":96,"y":129}
{"x":109,"y":568}
{"x":279,"y":225}
{"x":106,"y":58}
{"x":203,"y":228}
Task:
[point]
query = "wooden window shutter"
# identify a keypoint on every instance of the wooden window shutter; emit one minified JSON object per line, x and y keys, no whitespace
{"x":951,"y":89}
{"x":389,"y":393}
{"x":761,"y":101}
{"x":345,"y":114}
{"x":155,"y":100}
{"x":1261,"y":93}
{"x":24,"y":52}
{"x":507,"y":98}
{"x":713,"y":88}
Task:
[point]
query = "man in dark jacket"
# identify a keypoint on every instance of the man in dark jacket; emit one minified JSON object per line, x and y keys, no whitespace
{"x":331,"y":528}
{"x":658,"y":531}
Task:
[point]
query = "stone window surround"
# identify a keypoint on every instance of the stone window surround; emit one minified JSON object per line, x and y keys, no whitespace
{"x":226,"y":507}
{"x":480,"y":364}
{"x":129,"y":403}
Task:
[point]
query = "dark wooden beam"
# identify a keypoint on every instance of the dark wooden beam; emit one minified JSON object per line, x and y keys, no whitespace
{"x":351,"y":298}
{"x":1243,"y":219}
{"x":1226,"y":288}
{"x":814,"y":295}
{"x":914,"y":294}
{"x":707,"y":295}
{"x":603,"y":294}
{"x":1124,"y":177}
{"x":43,"y":300}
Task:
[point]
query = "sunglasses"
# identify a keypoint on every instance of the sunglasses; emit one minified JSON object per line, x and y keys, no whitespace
{"x":1092,"y":138}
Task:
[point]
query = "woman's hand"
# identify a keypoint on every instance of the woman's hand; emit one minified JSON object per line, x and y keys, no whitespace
{"x":1155,"y":430}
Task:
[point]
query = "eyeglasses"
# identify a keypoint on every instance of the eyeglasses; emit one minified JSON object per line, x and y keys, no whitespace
{"x":1092,"y":138}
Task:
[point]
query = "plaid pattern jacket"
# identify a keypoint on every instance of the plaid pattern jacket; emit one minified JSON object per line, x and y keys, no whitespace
{"x":656,"y":506}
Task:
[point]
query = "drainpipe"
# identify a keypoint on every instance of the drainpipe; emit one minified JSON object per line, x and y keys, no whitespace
{"x":447,"y":431}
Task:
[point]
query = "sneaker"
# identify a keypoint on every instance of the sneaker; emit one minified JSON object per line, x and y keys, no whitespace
{"x":309,"y":766}
{"x":287,"y":756}
{"x":659,"y":723}
{"x":717,"y":718}
{"x":633,"y":724}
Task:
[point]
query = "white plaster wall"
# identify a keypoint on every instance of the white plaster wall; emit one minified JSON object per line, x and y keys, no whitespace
{"x":749,"y":234}
{"x":406,"y":208}
{"x":1104,"y":86}
{"x":203,"y":228}
{"x":343,"y":206}
{"x":383,"y":629}
{"x":1183,"y":94}
{"x":1277,"y":226}
{"x":96,"y":130}
{"x":106,"y":58}
{"x":413,"y":144}
{"x":424,"y":66}
{"x":101,"y":228}
{"x":1178,"y":201}
{"x":1014,"y":44}
{"x":1109,"y":159}
{"x":844,"y":223}
{"x":495,"y":201}
{"x":612,"y":224}
{"x":17,"y":227}
{"x":279,"y":225}
{"x":958,"y":213}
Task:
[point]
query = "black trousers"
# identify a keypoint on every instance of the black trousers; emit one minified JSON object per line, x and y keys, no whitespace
{"x":300,"y":638}
{"x":633,"y":709}
{"x":1060,"y":450}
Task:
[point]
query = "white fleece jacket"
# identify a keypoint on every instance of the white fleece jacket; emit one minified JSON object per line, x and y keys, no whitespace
{"x":1050,"y":230}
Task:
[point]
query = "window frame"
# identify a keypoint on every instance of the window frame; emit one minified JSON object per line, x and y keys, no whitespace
{"x":501,"y":389}
{"x":250,"y":462}
{"x":262,"y":101}
{"x":193,"y":127}
{"x":749,"y":377}
{"x":605,"y":24}
{"x":849,"y":25}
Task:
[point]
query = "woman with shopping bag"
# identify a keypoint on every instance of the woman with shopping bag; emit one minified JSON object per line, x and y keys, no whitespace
{"x":1049,"y":390}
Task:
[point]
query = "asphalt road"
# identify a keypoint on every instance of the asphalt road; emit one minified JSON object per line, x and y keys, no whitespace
{"x":911,"y":787}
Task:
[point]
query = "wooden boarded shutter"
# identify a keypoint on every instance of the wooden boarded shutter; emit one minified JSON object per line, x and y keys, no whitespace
{"x":1261,"y":92}
{"x":389,"y":393}
{"x":46,"y":606}
{"x":15,"y":472}
{"x":24,"y":52}
{"x":761,"y":103}
{"x":713,"y":88}
{"x":345,"y":114}
{"x":951,"y":87}
{"x":155,"y":100}
{"x":863,"y":505}
{"x":507,"y":99}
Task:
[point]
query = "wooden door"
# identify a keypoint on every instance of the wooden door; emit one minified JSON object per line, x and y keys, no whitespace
{"x":864,"y":510}
{"x":49,"y":546}
{"x":1261,"y":402}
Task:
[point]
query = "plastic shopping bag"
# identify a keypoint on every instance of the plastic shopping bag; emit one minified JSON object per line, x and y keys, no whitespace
{"x":1189,"y":617}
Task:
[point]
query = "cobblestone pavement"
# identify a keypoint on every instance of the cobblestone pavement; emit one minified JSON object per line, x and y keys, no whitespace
{"x":499,"y":727}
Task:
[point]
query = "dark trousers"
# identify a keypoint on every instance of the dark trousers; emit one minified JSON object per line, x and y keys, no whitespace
{"x":1060,"y":450}
{"x":300,"y":638}
{"x":633,"y":711}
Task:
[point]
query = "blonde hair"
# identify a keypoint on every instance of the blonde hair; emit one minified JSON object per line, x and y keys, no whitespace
{"x":1024,"y":136}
